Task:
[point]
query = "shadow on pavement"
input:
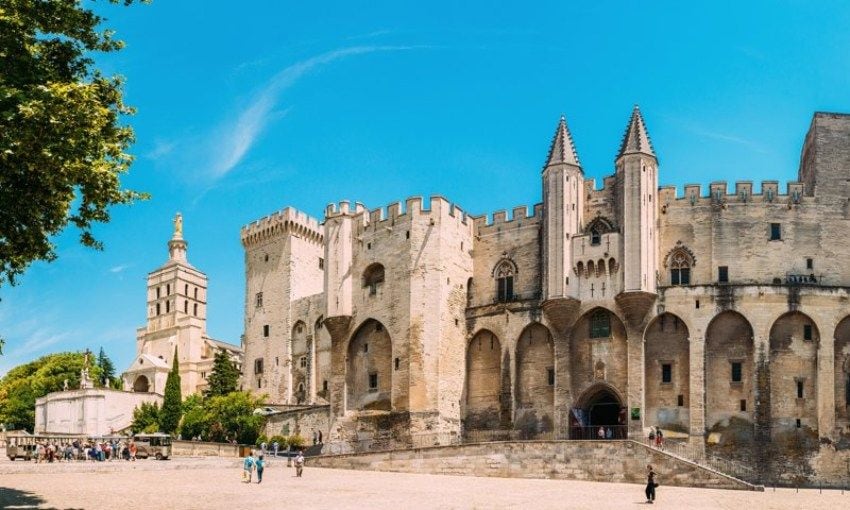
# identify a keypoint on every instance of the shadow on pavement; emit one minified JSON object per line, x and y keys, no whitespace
{"x":17,"y":499}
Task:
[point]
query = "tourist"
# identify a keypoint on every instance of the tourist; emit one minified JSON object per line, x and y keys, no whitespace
{"x":315,"y":437}
{"x":600,"y":434}
{"x":650,"y":485}
{"x":263,"y":447}
{"x":659,"y":438}
{"x":247,"y":468}
{"x":299,"y":463}
{"x":651,"y":436}
{"x":261,"y":464}
{"x":133,"y":451}
{"x":275,"y":446}
{"x":320,"y":437}
{"x":609,"y":434}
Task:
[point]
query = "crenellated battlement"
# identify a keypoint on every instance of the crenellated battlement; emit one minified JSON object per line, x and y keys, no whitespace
{"x":743,"y":193}
{"x":499,"y":221}
{"x":286,"y":221}
{"x":395,"y":212}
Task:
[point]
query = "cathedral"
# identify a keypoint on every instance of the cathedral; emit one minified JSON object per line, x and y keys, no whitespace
{"x":176,"y":323}
{"x":711,"y":312}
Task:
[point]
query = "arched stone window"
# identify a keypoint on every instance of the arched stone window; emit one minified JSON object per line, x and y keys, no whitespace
{"x":679,"y":261}
{"x":372,"y":277}
{"x":600,"y":324}
{"x":600,"y":225}
{"x":504,"y":273}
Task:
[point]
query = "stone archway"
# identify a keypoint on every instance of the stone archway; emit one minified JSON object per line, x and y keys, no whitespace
{"x":141,"y":384}
{"x":535,"y":381}
{"x":667,"y":373}
{"x":842,"y":370}
{"x":601,"y":405}
{"x":598,"y":351}
{"x":794,"y":340}
{"x":483,"y":382}
{"x":368,"y":377}
{"x":729,"y":370}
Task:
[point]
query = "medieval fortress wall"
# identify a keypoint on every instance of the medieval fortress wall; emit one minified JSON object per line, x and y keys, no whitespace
{"x":697,"y":310}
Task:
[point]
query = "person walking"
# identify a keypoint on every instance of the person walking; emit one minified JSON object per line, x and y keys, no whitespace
{"x":275,"y":447}
{"x":650,"y":485}
{"x":260,"y":464}
{"x":299,"y":463}
{"x":600,"y":434}
{"x":651,"y":436}
{"x":659,"y":438}
{"x":247,"y":468}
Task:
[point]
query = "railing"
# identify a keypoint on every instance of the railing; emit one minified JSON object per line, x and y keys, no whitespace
{"x":701,"y":457}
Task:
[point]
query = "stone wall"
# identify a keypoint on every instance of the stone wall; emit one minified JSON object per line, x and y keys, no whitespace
{"x":604,"y":461}
{"x":204,"y":449}
{"x":302,"y":422}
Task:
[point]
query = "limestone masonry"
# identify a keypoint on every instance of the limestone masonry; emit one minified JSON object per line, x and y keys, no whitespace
{"x":719,"y":314}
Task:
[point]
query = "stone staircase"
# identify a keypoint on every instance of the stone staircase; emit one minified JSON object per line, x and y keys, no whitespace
{"x":596,"y":460}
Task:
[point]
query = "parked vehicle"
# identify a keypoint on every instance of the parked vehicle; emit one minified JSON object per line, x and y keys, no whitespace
{"x":156,"y":445}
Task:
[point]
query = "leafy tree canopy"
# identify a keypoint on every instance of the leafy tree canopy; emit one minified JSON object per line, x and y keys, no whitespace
{"x":224,"y":376}
{"x":25,"y":383}
{"x":62,"y":144}
{"x":146,"y":417}
{"x":225,"y":417}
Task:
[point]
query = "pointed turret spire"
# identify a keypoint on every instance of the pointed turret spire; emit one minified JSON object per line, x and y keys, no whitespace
{"x":636,"y":138}
{"x":562,"y":149}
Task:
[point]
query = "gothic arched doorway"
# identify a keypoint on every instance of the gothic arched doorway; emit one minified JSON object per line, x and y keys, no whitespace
{"x":601,"y":406}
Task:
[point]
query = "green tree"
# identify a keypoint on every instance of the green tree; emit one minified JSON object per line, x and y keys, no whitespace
{"x":172,"y":408}
{"x":63,"y":146}
{"x":224,"y":375}
{"x":195,"y":419}
{"x":232,"y":415}
{"x":107,"y":371}
{"x":146,"y":417}
{"x":25,"y":383}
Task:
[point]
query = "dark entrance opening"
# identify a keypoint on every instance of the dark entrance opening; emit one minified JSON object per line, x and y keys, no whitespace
{"x":600,"y":408}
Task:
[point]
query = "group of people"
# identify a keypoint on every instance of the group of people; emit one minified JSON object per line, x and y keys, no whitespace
{"x":258,"y":464}
{"x":656,"y":437}
{"x":47,"y":451}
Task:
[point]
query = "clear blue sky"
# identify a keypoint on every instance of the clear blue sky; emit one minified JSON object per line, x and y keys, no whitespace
{"x":247,"y":107}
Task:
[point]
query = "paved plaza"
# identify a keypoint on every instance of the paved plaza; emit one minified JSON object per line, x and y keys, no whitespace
{"x":211,"y":483}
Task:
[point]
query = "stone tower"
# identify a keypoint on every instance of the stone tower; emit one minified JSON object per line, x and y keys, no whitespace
{"x":176,"y":318}
{"x":563,"y":210}
{"x":637,"y":171}
{"x":284,"y":262}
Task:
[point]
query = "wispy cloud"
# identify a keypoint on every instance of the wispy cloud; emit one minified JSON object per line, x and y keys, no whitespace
{"x":119,"y":268}
{"x":160,"y":149}
{"x":237,"y":137}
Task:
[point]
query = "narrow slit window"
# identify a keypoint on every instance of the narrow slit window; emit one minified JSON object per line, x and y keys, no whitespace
{"x":737,"y":371}
{"x":666,"y":373}
{"x":775,"y":231}
{"x":807,"y":332}
{"x":373,"y":381}
{"x":799,"y":389}
{"x":723,"y":274}
{"x":550,"y":376}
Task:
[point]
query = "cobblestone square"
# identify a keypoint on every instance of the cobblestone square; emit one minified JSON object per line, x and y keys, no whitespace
{"x":209,"y":483}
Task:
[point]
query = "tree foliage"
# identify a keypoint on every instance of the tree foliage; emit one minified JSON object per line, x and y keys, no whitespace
{"x":107,"y":371}
{"x":62,"y":144}
{"x":225,"y":417}
{"x":172,"y":408}
{"x":224,"y":376}
{"x":146,"y":417}
{"x":25,"y":383}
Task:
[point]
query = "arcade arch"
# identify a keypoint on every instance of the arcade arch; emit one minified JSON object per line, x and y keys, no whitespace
{"x":483,"y":382}
{"x":842,"y":370}
{"x":535,"y":380}
{"x":729,"y":368}
{"x":794,"y":340}
{"x":368,"y":375}
{"x":667,"y":372}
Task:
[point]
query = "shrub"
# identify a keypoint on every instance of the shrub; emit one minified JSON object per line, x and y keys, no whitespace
{"x":295,"y":442}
